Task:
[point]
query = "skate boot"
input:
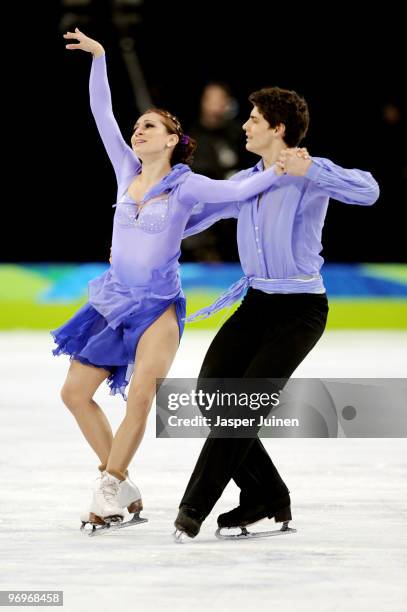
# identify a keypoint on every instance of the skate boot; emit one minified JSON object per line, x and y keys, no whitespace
{"x":110,"y":499}
{"x":129,"y":496}
{"x":247,"y":515}
{"x":242,"y":516}
{"x":105,"y":502}
{"x":188,"y":522}
{"x":85,"y":516}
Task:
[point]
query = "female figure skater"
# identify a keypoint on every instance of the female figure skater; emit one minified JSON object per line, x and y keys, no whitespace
{"x":133,"y":321}
{"x":284,"y":312}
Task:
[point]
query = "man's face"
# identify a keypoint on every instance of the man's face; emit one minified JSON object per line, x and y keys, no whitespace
{"x":258,"y":132}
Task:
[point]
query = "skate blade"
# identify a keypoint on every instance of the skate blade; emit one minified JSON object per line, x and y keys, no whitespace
{"x":136,"y":520}
{"x":97,"y":529}
{"x":246,"y":535}
{"x":180,"y":536}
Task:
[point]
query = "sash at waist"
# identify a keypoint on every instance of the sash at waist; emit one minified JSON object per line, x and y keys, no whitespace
{"x":313,"y":284}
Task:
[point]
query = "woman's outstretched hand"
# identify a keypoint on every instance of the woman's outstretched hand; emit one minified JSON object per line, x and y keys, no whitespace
{"x":85,"y":43}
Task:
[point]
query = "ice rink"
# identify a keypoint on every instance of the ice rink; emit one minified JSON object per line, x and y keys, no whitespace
{"x":349,"y":501}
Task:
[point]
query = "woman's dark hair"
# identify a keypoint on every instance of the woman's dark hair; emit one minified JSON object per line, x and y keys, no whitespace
{"x":184,"y":150}
{"x":283,"y":106}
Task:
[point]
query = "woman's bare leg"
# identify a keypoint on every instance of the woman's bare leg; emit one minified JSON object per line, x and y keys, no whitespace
{"x":77,"y":393}
{"x":155,"y":353}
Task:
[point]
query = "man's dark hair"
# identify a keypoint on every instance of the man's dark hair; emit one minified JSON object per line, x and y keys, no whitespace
{"x":283,"y":106}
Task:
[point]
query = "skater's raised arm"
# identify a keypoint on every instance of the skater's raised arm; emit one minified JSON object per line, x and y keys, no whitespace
{"x":100,"y":100}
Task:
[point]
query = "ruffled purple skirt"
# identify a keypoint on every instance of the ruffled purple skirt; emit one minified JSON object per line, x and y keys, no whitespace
{"x":88,"y":338}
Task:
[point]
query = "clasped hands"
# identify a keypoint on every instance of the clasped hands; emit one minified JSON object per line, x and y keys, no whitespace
{"x":295,"y":162}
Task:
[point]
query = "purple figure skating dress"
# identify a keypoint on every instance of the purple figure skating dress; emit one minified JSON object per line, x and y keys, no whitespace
{"x":143,"y":280}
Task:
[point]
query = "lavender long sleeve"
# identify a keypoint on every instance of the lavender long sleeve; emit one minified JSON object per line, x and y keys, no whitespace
{"x":122,"y":157}
{"x":200,"y":188}
{"x":347,"y":186}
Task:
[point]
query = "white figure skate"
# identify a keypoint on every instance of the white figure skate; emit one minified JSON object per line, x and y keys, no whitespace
{"x":110,"y":499}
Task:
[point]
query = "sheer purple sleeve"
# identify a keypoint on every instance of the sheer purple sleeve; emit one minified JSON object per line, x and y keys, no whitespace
{"x":199,"y":188}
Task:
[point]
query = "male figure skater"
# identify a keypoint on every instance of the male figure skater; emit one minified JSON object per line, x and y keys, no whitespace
{"x":284,"y":312}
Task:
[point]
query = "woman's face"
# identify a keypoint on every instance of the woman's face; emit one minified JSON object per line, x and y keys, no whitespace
{"x":151,"y":137}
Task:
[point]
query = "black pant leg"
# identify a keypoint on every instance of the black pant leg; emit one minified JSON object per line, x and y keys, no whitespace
{"x":281,"y":352}
{"x":233,"y":347}
{"x":294,"y":325}
{"x":228,"y":356}
{"x":258,"y":478}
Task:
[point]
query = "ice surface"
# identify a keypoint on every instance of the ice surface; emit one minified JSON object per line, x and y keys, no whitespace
{"x":349,"y":501}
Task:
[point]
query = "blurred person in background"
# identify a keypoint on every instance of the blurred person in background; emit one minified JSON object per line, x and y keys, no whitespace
{"x":219,"y":134}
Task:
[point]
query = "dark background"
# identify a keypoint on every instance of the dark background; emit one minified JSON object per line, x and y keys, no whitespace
{"x":351,"y":69}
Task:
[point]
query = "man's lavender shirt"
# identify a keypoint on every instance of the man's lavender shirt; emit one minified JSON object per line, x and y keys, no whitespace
{"x":279,"y":234}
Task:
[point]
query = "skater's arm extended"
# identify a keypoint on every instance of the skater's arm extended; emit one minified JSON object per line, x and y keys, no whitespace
{"x":199,"y":188}
{"x":100,"y":100}
{"x":350,"y":186}
{"x":205,"y":214}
